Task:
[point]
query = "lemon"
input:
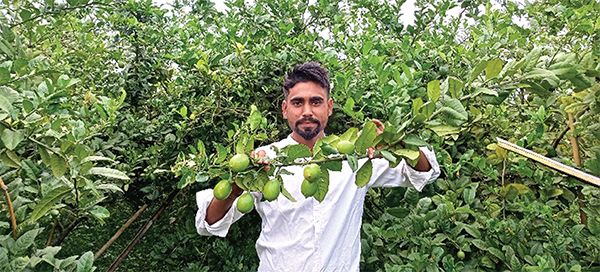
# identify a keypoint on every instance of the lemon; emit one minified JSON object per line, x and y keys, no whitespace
{"x":245,"y":203}
{"x":222,"y":190}
{"x":271,"y":190}
{"x":308,"y":188}
{"x":239,"y":162}
{"x":311,"y":172}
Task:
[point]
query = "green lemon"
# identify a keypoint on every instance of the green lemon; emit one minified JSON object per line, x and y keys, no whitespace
{"x":345,"y":147}
{"x":271,"y":190}
{"x":222,"y":190}
{"x":460,"y":255}
{"x":308,"y":188}
{"x":239,"y":162}
{"x":311,"y":172}
{"x":245,"y":203}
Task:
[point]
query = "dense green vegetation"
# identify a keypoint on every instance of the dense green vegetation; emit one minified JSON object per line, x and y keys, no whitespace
{"x":108,"y":105}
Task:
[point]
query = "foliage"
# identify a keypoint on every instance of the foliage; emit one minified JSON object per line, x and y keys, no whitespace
{"x":109,"y":103}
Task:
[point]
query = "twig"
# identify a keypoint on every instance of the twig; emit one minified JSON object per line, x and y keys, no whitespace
{"x":120,"y":231}
{"x":142,"y":231}
{"x":10,"y":207}
{"x":560,"y":136}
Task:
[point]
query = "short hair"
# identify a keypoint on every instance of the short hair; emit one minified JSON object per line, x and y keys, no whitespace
{"x":306,"y":72}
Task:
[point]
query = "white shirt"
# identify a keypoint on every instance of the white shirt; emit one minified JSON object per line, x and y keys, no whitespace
{"x":307,"y":235}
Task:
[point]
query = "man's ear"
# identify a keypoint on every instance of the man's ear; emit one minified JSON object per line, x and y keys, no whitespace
{"x":284,"y":109}
{"x":330,"y":106}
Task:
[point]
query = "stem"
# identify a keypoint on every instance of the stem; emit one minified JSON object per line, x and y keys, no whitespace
{"x":49,"y":242}
{"x":142,"y":231}
{"x":66,"y":231}
{"x":10,"y":208}
{"x":560,"y":136}
{"x":577,"y":160}
{"x":120,"y":231}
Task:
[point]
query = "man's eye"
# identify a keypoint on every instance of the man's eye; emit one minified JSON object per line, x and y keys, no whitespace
{"x":296,"y":103}
{"x":317,"y":102}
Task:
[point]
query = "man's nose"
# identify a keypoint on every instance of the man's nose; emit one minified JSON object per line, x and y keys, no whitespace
{"x":307,"y":110}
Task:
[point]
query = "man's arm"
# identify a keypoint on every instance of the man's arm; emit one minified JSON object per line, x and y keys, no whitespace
{"x":218,"y":208}
{"x":423,"y":164}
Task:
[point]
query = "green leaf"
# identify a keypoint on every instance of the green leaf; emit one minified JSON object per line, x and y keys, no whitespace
{"x":388,"y":156}
{"x":433,"y":90}
{"x":510,"y":193}
{"x":85,"y":262}
{"x":5,"y":106}
{"x":30,"y":169}
{"x":48,"y":201}
{"x":406,"y":71}
{"x":95,"y":158}
{"x":254,"y":119}
{"x":455,"y":86}
{"x":366,"y":137}
{"x":349,"y":107}
{"x":58,"y":165}
{"x":398,"y":212}
{"x":531,"y":59}
{"x":296,"y":151}
{"x":594,"y":226}
{"x":581,"y":82}
{"x":24,"y":242}
{"x":349,"y":135}
{"x":416,"y":105}
{"x":454,"y":112}
{"x":563,"y":70}
{"x":108,"y":172}
{"x":221,"y":153}
{"x":12,"y":138}
{"x":444,"y":130}
{"x":323,"y":187}
{"x":408,"y":153}
{"x":4,"y":76}
{"x":364,"y":174}
{"x":285,"y":192}
{"x":44,"y":155}
{"x":20,"y":66}
{"x":493,"y":68}
{"x":245,"y":144}
{"x":413,"y":140}
{"x":332,"y":165}
{"x":6,"y":159}
{"x":352,"y":162}
{"x":367,"y":45}
{"x":495,"y":99}
{"x":100,"y":213}
{"x":496,"y":252}
{"x":478,"y":69}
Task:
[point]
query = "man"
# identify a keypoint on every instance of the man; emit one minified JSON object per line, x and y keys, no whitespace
{"x":307,"y":235}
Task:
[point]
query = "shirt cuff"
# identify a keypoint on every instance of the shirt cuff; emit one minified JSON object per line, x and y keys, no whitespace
{"x":419,"y":179}
{"x":219,"y":228}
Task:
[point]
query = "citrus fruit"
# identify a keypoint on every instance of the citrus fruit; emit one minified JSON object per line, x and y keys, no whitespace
{"x":308,"y":188}
{"x":460,"y":254}
{"x":239,"y":162}
{"x":345,"y":147}
{"x":271,"y":190}
{"x":311,"y":172}
{"x":245,"y":203}
{"x":222,"y":189}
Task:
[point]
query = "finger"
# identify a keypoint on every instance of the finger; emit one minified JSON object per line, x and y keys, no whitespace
{"x":262,"y":153}
{"x":370,"y":152}
{"x":252,"y":154}
{"x":380,"y":126}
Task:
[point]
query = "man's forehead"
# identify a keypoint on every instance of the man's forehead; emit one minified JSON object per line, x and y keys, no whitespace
{"x":307,"y":90}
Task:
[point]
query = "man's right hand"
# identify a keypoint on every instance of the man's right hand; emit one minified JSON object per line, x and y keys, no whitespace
{"x":258,"y":157}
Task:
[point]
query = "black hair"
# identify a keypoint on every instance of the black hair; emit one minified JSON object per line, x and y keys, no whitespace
{"x":306,"y":72}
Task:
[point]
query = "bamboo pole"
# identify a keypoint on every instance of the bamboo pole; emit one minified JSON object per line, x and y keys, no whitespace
{"x":120,"y":231}
{"x":10,"y":207}
{"x":142,"y":231}
{"x":577,"y":160}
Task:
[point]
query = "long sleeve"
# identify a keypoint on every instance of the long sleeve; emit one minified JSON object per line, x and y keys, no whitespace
{"x":219,"y":228}
{"x":404,"y":175}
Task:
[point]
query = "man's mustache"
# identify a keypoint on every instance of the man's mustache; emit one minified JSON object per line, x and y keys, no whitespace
{"x":308,"y":119}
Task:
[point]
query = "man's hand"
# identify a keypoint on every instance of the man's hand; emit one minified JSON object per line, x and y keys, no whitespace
{"x":379,"y":129}
{"x":258,"y":156}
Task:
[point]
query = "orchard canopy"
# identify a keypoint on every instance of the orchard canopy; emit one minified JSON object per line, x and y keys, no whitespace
{"x":113,"y":107}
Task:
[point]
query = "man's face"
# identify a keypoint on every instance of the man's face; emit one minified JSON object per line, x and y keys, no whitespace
{"x":307,"y":109}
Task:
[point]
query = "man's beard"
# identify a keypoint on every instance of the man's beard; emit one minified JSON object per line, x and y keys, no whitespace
{"x":308,"y":134}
